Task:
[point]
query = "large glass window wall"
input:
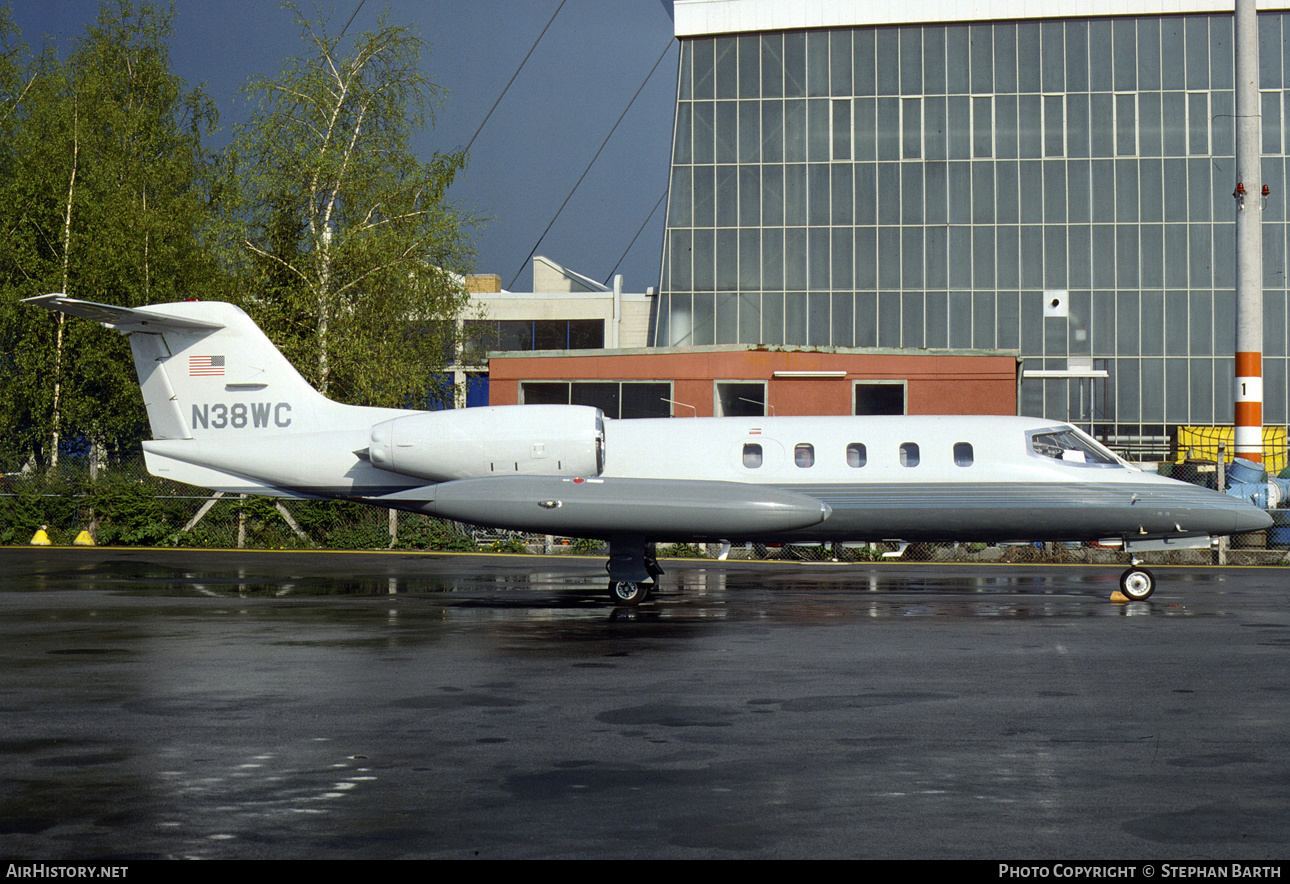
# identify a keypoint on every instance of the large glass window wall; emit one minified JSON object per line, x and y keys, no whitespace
{"x":931,"y":186}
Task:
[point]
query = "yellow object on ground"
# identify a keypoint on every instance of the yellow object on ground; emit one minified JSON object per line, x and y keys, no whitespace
{"x":83,"y":539}
{"x":40,"y":538}
{"x":1202,"y":442}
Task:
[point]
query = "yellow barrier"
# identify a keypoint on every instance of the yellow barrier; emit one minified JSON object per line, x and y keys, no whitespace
{"x":1202,"y":443}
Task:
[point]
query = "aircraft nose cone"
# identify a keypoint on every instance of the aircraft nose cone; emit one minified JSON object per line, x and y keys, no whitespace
{"x":1248,"y":518}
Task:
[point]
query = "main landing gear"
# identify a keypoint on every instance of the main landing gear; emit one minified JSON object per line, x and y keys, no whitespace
{"x":1137,"y":583}
{"x":632,"y":568}
{"x":628,"y":593}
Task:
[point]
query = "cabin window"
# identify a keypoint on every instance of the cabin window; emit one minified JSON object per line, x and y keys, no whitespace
{"x":909,"y":454}
{"x":804,"y":454}
{"x":963,"y":454}
{"x":856,"y":454}
{"x":752,"y":455}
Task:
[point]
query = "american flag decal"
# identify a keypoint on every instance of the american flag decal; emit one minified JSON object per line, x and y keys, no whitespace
{"x":205,"y":366}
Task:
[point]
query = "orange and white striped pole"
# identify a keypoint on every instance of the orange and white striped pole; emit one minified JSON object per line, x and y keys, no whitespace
{"x":1249,"y":194}
{"x":1248,"y":412}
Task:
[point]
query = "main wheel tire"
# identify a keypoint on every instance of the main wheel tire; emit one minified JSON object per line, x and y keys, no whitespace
{"x":628,"y":593}
{"x":1137,"y":584}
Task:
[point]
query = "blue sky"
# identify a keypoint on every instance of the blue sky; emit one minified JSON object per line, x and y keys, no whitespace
{"x":537,"y":143}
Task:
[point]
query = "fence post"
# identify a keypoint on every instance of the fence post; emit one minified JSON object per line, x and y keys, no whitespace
{"x":291,"y":522}
{"x":202,"y":511}
{"x":97,"y":455}
{"x":1222,"y":487}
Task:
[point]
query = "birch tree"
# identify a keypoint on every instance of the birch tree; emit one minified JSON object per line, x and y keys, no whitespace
{"x":109,"y":196}
{"x":355,"y":254}
{"x":17,"y":420}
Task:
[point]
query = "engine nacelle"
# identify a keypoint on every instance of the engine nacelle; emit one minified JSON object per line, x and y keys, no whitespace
{"x":468,"y":443}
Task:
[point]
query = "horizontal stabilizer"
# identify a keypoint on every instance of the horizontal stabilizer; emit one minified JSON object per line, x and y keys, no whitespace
{"x":123,"y":319}
{"x":207,"y":477}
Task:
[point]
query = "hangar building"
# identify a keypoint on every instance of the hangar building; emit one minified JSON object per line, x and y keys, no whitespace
{"x":1049,"y":178}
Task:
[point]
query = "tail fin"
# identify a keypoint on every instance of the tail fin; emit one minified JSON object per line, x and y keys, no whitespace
{"x":205,"y":367}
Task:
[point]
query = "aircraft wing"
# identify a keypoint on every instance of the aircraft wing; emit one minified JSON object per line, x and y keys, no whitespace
{"x":600,"y":507}
{"x":123,"y":319}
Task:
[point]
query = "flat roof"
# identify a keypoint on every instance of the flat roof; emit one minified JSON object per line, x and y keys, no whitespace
{"x":696,"y":18}
{"x":765,"y":348}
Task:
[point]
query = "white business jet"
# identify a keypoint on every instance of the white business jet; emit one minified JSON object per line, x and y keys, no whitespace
{"x":230,"y":413}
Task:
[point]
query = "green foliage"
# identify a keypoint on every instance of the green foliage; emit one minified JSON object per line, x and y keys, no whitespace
{"x":586,"y":546}
{"x":336,"y":237}
{"x":130,"y":514}
{"x":354,"y":254}
{"x":319,"y":217}
{"x":427,"y":533}
{"x":105,"y":195}
{"x":127,"y":507}
{"x":320,"y":517}
{"x":683,"y":551}
{"x":29,"y":503}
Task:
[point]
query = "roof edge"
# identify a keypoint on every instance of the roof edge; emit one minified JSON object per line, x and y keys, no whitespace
{"x":697,"y":18}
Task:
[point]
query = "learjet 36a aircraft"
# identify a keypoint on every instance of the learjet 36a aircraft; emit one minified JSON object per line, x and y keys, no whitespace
{"x":230,"y":413}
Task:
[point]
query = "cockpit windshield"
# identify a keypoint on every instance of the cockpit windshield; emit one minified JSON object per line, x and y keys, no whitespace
{"x":1069,"y":445}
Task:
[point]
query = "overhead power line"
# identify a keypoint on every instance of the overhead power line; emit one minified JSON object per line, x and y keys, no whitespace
{"x":592,"y":163}
{"x":637,"y":236}
{"x":352,"y":17}
{"x":513,"y":76}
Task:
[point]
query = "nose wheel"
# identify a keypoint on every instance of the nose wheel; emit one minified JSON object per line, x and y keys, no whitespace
{"x":1137,"y":584}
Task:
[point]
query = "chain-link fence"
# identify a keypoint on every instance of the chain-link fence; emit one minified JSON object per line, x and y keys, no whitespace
{"x":125,"y":506}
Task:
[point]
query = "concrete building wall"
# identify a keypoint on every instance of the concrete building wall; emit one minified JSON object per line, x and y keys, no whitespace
{"x":559,"y":295}
{"x":549,"y":276}
{"x":634,"y":308}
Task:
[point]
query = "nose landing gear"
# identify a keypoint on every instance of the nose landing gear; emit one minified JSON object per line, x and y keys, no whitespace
{"x":1137,"y":583}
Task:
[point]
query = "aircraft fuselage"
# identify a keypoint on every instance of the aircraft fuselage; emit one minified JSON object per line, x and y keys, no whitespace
{"x":228,"y":412}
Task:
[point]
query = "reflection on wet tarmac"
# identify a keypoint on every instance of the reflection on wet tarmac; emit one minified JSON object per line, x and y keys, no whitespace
{"x":181,"y":704}
{"x":688,"y":590}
